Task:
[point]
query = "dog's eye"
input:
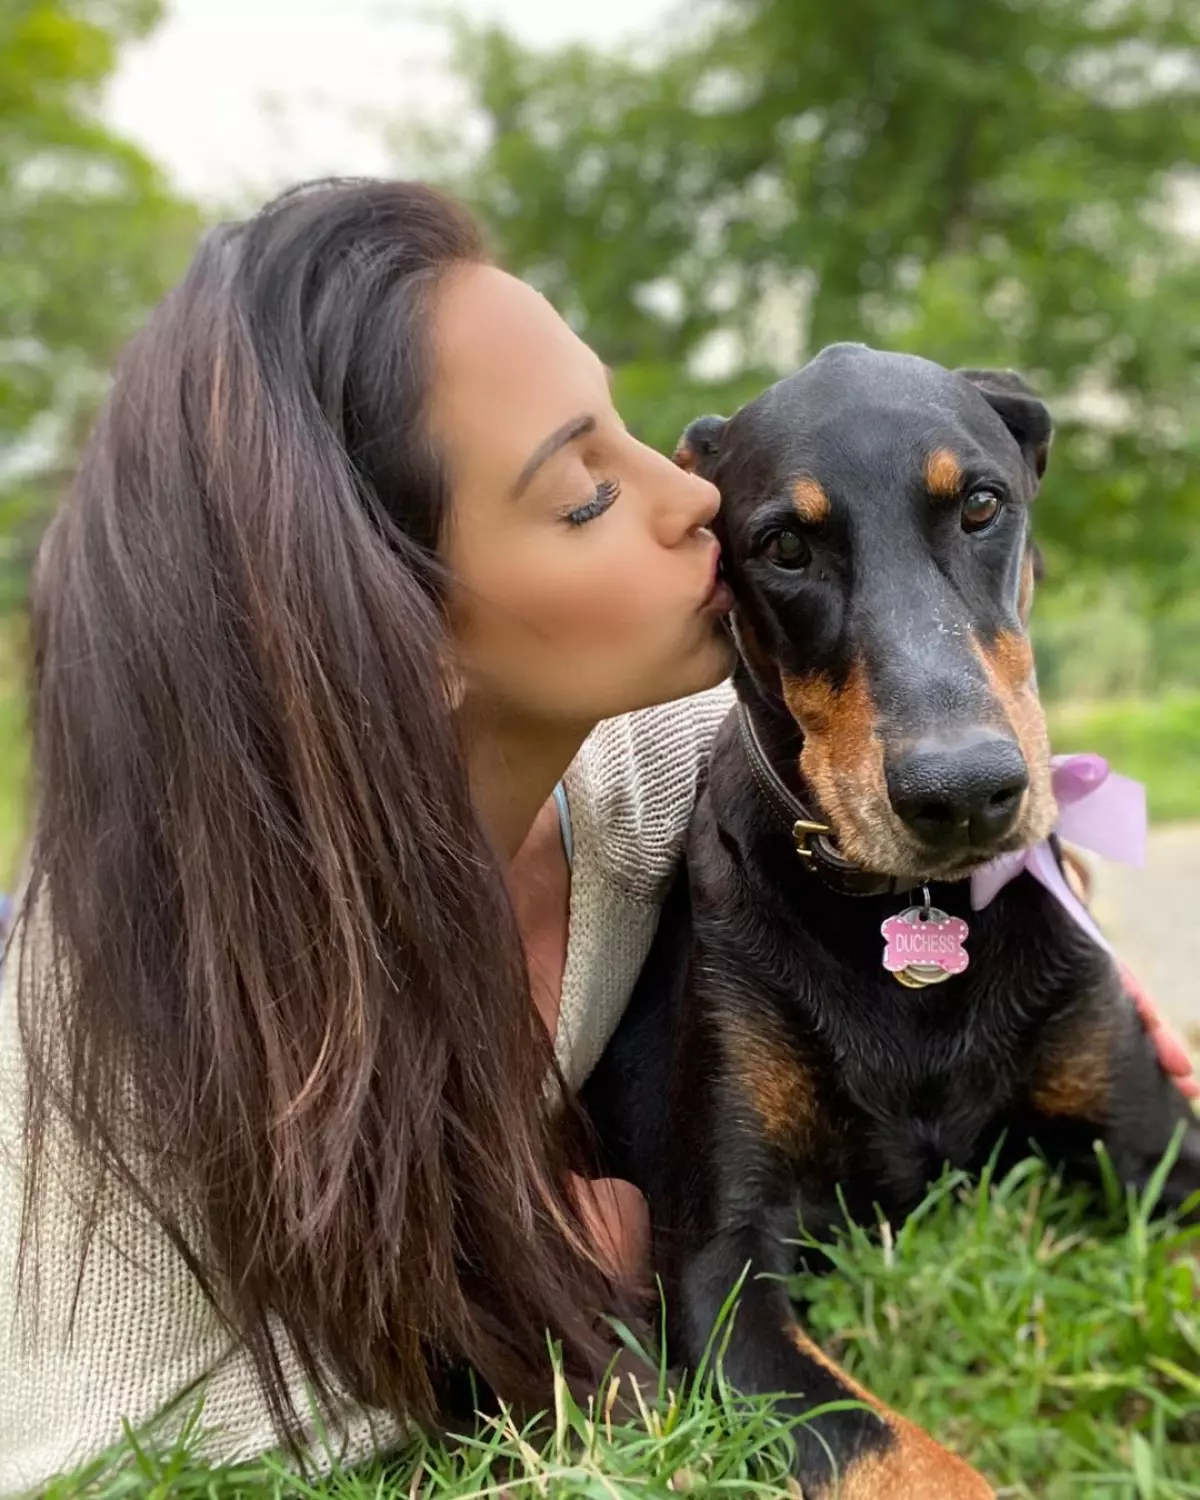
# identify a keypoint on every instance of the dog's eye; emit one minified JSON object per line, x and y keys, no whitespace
{"x":980,"y":510}
{"x":787,"y":549}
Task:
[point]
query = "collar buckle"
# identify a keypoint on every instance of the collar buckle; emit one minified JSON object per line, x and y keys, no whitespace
{"x":803,"y":830}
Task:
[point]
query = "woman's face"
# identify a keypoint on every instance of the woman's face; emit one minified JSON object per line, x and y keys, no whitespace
{"x":582,"y":566}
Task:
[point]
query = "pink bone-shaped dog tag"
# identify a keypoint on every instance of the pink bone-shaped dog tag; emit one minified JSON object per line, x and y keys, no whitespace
{"x":937,"y":941}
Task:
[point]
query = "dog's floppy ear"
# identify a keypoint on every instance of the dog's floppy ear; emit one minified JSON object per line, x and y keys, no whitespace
{"x":699,"y":448}
{"x":1019,"y":409}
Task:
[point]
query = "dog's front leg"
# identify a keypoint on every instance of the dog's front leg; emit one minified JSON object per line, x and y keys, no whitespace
{"x":1097,"y":1077}
{"x":867,"y":1452}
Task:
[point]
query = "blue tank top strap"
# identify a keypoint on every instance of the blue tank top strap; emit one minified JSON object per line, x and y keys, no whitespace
{"x":564,"y":822}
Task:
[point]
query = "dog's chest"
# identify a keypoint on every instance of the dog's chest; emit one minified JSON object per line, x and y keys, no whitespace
{"x":913,"y":1082}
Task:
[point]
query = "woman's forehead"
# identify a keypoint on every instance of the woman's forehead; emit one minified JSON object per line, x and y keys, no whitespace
{"x":508,"y":369}
{"x":489,"y":327}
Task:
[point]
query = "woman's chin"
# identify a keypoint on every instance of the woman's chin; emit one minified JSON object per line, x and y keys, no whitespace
{"x":710,"y":666}
{"x":722,"y":653}
{"x":704,"y":666}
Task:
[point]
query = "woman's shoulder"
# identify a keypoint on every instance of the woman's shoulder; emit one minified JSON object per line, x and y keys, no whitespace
{"x":634,"y":784}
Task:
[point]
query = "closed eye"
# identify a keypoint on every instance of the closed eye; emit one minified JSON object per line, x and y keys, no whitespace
{"x":605,"y":494}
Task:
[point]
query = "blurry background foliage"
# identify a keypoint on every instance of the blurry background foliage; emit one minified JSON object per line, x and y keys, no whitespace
{"x":1005,"y":182}
{"x":90,"y":236}
{"x":1000,"y":183}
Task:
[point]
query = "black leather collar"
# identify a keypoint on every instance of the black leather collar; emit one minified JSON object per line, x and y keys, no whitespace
{"x":816,"y":850}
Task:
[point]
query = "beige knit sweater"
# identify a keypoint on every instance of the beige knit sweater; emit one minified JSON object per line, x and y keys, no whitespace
{"x":144,"y":1335}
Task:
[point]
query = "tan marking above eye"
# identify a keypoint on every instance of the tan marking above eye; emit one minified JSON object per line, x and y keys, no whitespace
{"x":811,"y":501}
{"x":943,"y":474}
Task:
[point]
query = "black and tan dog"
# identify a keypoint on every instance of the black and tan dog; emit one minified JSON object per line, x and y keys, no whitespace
{"x":875,"y":520}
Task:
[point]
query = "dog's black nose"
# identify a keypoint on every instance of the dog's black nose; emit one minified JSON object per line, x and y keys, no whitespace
{"x":966,"y":793}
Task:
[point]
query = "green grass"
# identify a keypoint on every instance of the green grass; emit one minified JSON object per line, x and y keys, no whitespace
{"x":1054,"y":1342}
{"x":1051,"y":1338}
{"x":1156,"y":742}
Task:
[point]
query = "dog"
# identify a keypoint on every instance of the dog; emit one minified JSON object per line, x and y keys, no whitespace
{"x":887,"y":742}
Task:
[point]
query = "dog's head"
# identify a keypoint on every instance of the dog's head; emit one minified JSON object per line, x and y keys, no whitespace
{"x":875,"y":521}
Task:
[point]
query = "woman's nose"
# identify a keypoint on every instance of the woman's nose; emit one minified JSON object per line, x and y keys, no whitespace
{"x":707,"y":498}
{"x":689,"y":503}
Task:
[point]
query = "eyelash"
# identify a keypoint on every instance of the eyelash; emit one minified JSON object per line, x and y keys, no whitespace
{"x":606,"y":492}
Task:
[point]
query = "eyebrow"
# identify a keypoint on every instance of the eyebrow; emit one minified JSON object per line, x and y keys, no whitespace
{"x":577,"y":427}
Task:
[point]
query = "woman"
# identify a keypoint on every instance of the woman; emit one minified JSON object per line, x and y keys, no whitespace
{"x":358,"y":557}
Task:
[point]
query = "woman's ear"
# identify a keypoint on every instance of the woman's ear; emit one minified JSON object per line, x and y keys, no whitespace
{"x":699,"y":449}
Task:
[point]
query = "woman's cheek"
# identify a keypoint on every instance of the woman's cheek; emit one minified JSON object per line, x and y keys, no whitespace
{"x":617,"y":599}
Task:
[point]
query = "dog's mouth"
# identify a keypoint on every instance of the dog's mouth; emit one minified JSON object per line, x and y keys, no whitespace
{"x":912,"y":861}
{"x":963,"y":865}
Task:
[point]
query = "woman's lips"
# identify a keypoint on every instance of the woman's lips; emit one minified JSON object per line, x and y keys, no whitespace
{"x":720,"y":601}
{"x":720,"y":595}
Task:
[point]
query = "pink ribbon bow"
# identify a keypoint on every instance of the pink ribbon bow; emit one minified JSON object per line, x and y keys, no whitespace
{"x":1098,"y":810}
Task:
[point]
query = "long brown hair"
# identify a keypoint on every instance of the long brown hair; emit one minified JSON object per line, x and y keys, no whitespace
{"x":282,"y":995}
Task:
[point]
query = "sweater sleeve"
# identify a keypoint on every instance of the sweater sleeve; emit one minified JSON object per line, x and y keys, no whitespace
{"x":635,"y":784}
{"x":631,"y":791}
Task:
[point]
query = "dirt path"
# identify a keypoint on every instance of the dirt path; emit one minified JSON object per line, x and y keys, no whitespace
{"x":1152,"y":917}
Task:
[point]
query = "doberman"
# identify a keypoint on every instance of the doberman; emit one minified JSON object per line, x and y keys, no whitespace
{"x":875,"y":527}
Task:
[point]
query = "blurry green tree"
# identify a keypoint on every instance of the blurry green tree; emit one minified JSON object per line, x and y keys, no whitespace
{"x":90,"y":235}
{"x":1000,"y":182}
